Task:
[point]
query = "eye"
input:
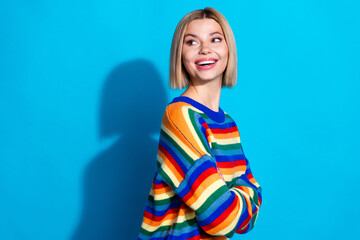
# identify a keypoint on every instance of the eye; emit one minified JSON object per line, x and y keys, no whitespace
{"x":217,"y":39}
{"x":191,"y":42}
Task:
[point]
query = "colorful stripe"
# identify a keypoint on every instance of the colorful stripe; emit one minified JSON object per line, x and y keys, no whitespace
{"x":203,"y":186}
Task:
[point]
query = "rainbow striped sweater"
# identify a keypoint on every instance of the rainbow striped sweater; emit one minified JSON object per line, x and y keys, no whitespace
{"x":203,"y":187}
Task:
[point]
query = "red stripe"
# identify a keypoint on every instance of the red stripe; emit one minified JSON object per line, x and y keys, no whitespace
{"x":246,"y":221}
{"x":241,"y":231}
{"x":223,"y":215}
{"x":159,"y":218}
{"x":160,"y":185}
{"x":201,"y":178}
{"x":172,"y":161}
{"x":247,"y":209}
{"x":231,"y":164}
{"x":241,"y":188}
{"x":197,"y":237}
{"x":250,"y":176}
{"x":207,"y":130}
{"x":205,"y":125}
{"x":225,"y":164}
{"x":223,"y":131}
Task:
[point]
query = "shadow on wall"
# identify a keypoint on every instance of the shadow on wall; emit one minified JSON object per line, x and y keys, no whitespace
{"x":118,"y":180}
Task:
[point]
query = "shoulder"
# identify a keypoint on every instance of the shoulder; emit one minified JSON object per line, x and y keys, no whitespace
{"x":231,"y":125}
{"x":229,"y":119}
{"x":181,"y":123}
{"x":181,"y":109}
{"x":182,"y":114}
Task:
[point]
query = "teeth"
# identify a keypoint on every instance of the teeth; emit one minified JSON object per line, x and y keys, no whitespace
{"x":206,"y":62}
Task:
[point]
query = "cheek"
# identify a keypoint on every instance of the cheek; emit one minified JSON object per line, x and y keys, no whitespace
{"x":186,"y":62}
{"x":187,"y":59}
{"x":225,"y":57}
{"x":225,"y":52}
{"x":186,"y":55}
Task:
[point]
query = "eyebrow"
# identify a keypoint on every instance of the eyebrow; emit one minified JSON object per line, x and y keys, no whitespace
{"x":195,"y":36}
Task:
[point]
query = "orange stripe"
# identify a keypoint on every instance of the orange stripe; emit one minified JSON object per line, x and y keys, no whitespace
{"x":252,"y":180}
{"x":245,"y":189}
{"x":170,"y":166}
{"x":182,"y":212}
{"x":162,"y":190}
{"x":154,"y":223}
{"x":226,"y":135}
{"x":240,"y":168}
{"x":235,"y":169}
{"x":201,"y":188}
{"x":231,"y":217}
{"x":231,"y":171}
{"x":227,"y":171}
{"x":177,"y":118}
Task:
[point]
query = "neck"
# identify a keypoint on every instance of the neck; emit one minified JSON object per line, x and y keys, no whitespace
{"x":207,"y":93}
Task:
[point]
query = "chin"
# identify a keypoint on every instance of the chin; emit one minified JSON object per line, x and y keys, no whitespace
{"x":208,"y":79}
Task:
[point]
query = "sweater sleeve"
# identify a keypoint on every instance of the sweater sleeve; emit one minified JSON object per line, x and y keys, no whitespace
{"x":247,"y":187}
{"x":187,"y":165}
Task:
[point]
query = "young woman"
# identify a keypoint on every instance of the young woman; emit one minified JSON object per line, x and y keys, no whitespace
{"x":203,"y":187}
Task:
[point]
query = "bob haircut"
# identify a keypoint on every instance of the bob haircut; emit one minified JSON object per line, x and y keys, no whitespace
{"x":179,"y":77}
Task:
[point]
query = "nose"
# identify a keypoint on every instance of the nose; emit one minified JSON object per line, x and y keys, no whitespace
{"x":205,"y":48}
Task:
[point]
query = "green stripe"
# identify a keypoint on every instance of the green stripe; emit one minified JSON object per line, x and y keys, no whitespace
{"x":176,"y":145}
{"x":187,"y":223}
{"x":211,"y":199}
{"x":165,"y":201}
{"x":164,"y":229}
{"x":215,"y":145}
{"x":198,"y":131}
{"x":256,"y":196}
{"x":242,"y":198}
{"x":231,"y":233}
{"x":167,"y":178}
{"x":253,"y":219}
{"x":203,"y":115}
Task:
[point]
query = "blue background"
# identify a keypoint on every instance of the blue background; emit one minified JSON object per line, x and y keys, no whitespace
{"x":83,"y":85}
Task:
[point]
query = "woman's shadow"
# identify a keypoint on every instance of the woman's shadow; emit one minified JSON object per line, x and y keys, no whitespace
{"x":118,"y":180}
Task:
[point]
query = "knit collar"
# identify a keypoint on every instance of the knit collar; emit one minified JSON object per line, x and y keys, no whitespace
{"x":215,"y":116}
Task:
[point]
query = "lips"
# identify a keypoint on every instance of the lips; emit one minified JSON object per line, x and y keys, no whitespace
{"x":205,"y":63}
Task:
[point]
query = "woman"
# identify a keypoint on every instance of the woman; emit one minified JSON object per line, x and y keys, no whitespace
{"x":203,"y":187}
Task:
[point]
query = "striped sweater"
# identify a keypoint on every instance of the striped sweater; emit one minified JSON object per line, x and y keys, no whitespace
{"x":203,"y":187}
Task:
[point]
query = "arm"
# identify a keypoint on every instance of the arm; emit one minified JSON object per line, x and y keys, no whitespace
{"x":187,"y":165}
{"x":247,"y":186}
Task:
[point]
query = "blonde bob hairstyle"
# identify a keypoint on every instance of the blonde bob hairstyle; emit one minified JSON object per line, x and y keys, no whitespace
{"x":179,"y":77}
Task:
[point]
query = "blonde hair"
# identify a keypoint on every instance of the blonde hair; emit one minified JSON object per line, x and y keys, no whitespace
{"x":179,"y":77}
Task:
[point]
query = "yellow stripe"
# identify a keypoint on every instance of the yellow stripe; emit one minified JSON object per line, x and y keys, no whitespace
{"x":183,"y":218}
{"x":227,"y":141}
{"x":208,"y":191}
{"x":170,"y":173}
{"x":149,"y":228}
{"x":185,"y":111}
{"x":233,"y":224}
{"x":163,"y":196}
{"x":180,"y":143}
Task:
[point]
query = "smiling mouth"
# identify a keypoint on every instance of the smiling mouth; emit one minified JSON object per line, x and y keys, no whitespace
{"x":206,"y":62}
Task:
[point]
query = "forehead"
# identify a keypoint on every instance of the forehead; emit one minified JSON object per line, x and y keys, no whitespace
{"x":203,"y":25}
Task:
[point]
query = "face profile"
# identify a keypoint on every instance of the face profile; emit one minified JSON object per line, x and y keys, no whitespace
{"x":204,"y":51}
